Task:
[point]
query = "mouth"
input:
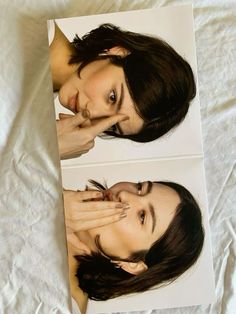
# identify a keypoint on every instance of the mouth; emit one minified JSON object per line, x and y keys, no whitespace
{"x":107,"y":195}
{"x":72,"y":103}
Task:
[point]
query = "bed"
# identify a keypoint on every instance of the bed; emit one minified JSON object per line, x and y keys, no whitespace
{"x":33,"y":260}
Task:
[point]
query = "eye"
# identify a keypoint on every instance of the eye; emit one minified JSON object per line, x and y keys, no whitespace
{"x":139,"y":187}
{"x":113,"y":128}
{"x":142,"y":216}
{"x":112,"y":97}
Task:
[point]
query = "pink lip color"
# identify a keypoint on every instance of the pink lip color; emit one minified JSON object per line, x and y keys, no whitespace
{"x":107,"y":195}
{"x":72,"y":103}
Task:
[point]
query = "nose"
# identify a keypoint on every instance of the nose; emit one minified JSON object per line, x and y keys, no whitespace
{"x":100,"y":109}
{"x":134,"y":204}
{"x":124,"y":197}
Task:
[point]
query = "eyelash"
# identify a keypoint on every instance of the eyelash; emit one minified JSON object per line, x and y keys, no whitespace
{"x":114,"y":129}
{"x":142,"y":216}
{"x":142,"y":213}
{"x":112,"y":94}
{"x":139,"y":187}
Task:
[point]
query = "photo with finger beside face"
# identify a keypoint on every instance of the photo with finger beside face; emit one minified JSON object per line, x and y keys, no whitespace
{"x":157,"y":248}
{"x":100,"y":89}
{"x":124,"y":80}
{"x":139,"y":228}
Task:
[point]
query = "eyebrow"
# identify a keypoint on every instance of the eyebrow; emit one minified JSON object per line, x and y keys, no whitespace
{"x":150,"y":207}
{"x":120,"y":103}
{"x":149,"y":187}
{"x":153,"y":215}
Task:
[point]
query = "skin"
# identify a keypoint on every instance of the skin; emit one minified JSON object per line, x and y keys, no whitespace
{"x":122,"y":218}
{"x":76,"y":133}
{"x":98,"y":92}
{"x":102,"y":90}
{"x":82,"y":214}
{"x":135,"y":232}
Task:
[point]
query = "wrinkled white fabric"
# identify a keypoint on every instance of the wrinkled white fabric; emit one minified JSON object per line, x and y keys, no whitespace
{"x":33,"y":260}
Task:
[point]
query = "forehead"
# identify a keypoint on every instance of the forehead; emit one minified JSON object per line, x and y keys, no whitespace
{"x":107,"y":76}
{"x":128,"y":107}
{"x":165,"y":196}
{"x":135,"y":123}
{"x":164,"y":201}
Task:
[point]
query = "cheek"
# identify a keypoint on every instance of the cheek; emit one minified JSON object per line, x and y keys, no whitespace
{"x":69,"y":88}
{"x":120,"y":238}
{"x":94,"y":86}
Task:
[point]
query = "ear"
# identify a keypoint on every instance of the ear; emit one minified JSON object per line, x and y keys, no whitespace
{"x":132,"y":268}
{"x":117,"y":51}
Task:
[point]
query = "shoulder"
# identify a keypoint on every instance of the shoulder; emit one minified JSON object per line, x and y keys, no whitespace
{"x":75,"y":307}
{"x":56,"y":35}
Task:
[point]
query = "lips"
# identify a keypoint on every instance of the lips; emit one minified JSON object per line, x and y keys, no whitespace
{"x":72,"y":103}
{"x":107,"y":195}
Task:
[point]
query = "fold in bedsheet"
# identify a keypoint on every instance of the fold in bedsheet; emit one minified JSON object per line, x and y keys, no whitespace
{"x":33,"y":261}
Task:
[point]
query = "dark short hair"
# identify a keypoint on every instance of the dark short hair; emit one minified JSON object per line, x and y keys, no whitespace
{"x":169,"y":257}
{"x":161,"y":83}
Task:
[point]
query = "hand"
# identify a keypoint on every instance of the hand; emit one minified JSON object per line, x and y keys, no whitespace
{"x":75,"y":246}
{"x":76,"y":134}
{"x":83,"y":214}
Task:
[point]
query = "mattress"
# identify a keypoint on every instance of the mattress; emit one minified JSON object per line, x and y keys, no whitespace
{"x":33,"y":258}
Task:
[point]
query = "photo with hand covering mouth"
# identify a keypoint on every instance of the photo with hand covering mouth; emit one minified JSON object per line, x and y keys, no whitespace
{"x":130,"y":237}
{"x":118,"y":83}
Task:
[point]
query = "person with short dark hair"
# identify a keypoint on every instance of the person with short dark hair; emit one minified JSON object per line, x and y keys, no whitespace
{"x":139,"y":80}
{"x":146,"y":235}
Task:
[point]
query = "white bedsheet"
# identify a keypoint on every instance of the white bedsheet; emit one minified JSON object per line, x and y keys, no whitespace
{"x":33,"y":261}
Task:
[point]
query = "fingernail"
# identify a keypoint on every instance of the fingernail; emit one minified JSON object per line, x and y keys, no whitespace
{"x":120,"y":205}
{"x":99,"y":194}
{"x":123,"y":215}
{"x":85,"y":113}
{"x":126,"y":208}
{"x":126,"y":205}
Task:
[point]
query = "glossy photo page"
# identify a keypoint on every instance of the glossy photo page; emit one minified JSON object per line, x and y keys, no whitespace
{"x":151,"y":248}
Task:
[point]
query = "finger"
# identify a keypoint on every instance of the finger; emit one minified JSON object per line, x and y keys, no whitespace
{"x":99,"y":205}
{"x":83,"y":225}
{"x":65,"y":116}
{"x":106,"y":123}
{"x":87,"y":195}
{"x":79,"y":118}
{"x":87,"y":123}
{"x":96,"y":214}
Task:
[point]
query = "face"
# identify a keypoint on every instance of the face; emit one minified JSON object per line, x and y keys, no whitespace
{"x":152,"y":208}
{"x":102,"y":90}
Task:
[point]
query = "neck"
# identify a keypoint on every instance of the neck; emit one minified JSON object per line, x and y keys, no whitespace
{"x":60,"y":53}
